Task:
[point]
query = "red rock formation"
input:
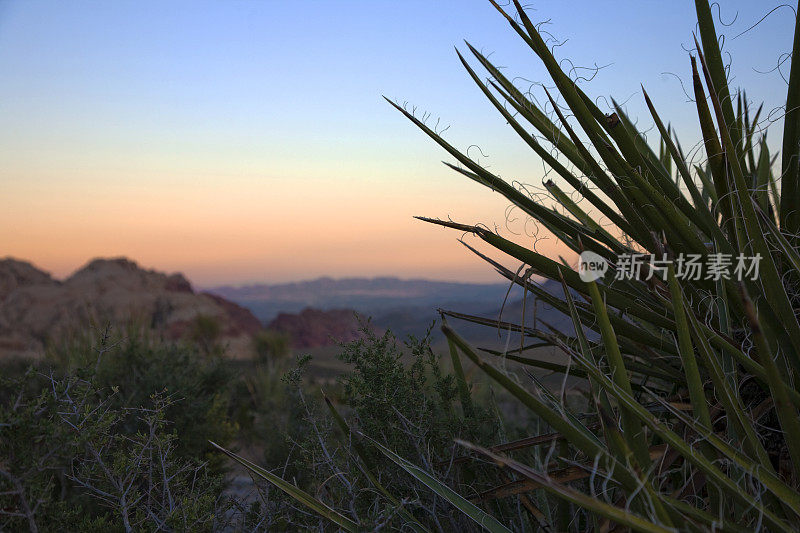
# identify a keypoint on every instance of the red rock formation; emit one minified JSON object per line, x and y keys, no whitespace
{"x":242,"y":322}
{"x":16,"y":274}
{"x":177,"y":283}
{"x":312,"y":328}
{"x":36,"y":309}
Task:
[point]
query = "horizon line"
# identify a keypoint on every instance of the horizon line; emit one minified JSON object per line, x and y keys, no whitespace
{"x":250,"y":283}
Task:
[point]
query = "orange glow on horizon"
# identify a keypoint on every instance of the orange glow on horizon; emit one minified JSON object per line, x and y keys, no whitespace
{"x":236,"y":233}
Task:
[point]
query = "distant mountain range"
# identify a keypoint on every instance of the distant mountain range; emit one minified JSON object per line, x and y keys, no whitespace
{"x":370,"y":296}
{"x":37,"y":310}
{"x":403,"y":306}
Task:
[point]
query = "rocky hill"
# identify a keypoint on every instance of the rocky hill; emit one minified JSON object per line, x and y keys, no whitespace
{"x":36,"y":309}
{"x":312,"y":328}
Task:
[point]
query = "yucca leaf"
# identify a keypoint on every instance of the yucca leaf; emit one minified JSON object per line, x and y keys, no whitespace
{"x":594,"y":229}
{"x":789,"y":252}
{"x":790,"y":168}
{"x":787,"y":414}
{"x":461,"y":381}
{"x":561,"y":475}
{"x":527,"y":442}
{"x":669,"y":341}
{"x":713,"y":473}
{"x":635,"y":438}
{"x":727,"y":395}
{"x":620,"y":516}
{"x":581,"y":111}
{"x":785,"y":494}
{"x":369,"y":467}
{"x":562,"y":421}
{"x":640,"y":338}
{"x":583,"y":343}
{"x":770,"y":279}
{"x":553,"y":221}
{"x":530,"y":112}
{"x":708,"y":191}
{"x":550,"y":269}
{"x":301,"y":496}
{"x":711,"y":521}
{"x":708,"y":35}
{"x":694,"y":381}
{"x":565,"y":85}
{"x":632,"y":427}
{"x":638,"y":155}
{"x":714,"y":153}
{"x":483,"y":519}
{"x":749,"y":130}
{"x":633,"y":195}
{"x":541,"y":151}
{"x":763,"y":177}
{"x":548,"y":217}
{"x":640,"y":369}
{"x":706,"y":222}
{"x":578,"y":435}
{"x":721,"y":342}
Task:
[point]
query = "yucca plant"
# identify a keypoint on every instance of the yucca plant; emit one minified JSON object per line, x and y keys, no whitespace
{"x":693,"y":381}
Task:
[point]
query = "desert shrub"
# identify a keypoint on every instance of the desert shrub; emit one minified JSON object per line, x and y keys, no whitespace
{"x":113,"y":435}
{"x":271,"y":346}
{"x":69,"y":461}
{"x":397,"y":393}
{"x":200,"y":389}
{"x":264,"y":407}
{"x":137,"y":365}
{"x":206,"y":332}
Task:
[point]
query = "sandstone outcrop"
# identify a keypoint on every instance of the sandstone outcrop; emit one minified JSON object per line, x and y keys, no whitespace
{"x":36,"y":309}
{"x":312,"y":328}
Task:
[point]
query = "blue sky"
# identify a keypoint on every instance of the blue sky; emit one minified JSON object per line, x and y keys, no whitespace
{"x":248,"y":140}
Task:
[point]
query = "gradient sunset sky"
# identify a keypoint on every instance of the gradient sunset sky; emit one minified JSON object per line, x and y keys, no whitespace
{"x":242,"y":141}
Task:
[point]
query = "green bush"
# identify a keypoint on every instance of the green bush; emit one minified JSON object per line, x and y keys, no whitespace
{"x":137,"y":366}
{"x":71,"y":461}
{"x":206,"y":332}
{"x":113,"y":436}
{"x":271,"y":346}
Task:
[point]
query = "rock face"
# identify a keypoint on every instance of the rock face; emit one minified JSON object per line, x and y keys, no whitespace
{"x":311,"y":328}
{"x":36,"y":309}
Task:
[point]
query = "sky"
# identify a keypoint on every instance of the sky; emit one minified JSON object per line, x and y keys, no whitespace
{"x":248,"y":141}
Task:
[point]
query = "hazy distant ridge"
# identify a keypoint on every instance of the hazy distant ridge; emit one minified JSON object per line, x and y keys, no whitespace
{"x":404,"y":306}
{"x":327,"y":287}
{"x":372,"y":296}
